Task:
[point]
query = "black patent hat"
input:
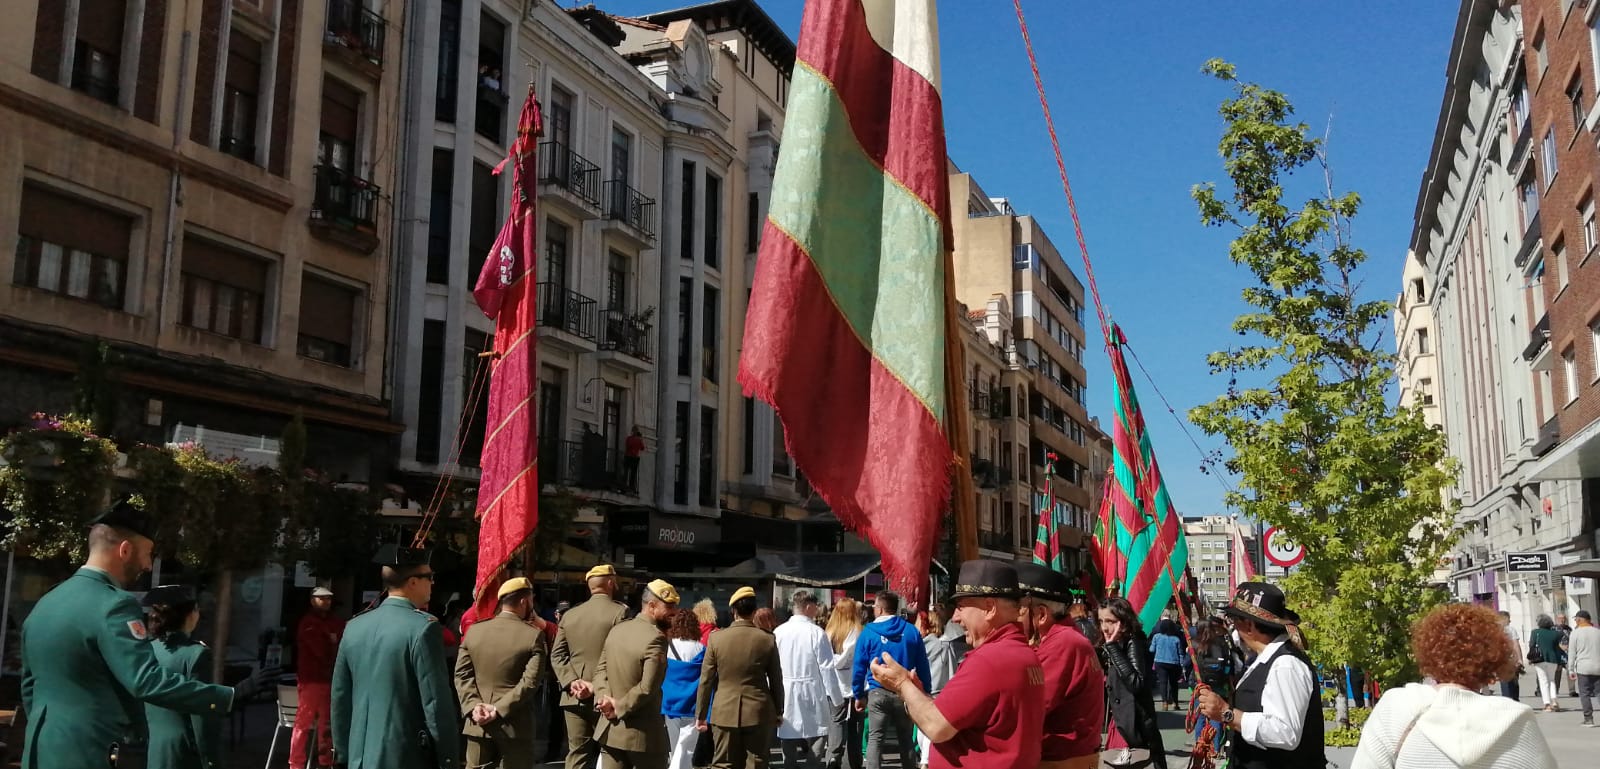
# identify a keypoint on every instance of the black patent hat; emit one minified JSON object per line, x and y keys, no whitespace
{"x":169,"y":595}
{"x":984,"y":578}
{"x":1044,"y":582}
{"x":123,"y":516}
{"x":1260,"y":602}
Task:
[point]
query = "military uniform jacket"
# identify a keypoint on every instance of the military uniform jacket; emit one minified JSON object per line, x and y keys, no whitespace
{"x":632,"y":666}
{"x":500,"y":662}
{"x":86,"y":667}
{"x":393,"y":706}
{"x":579,"y":639}
{"x":179,"y":740}
{"x":742,"y":666}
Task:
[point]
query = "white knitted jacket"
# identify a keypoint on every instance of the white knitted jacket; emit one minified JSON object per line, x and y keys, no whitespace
{"x":1455,"y":729}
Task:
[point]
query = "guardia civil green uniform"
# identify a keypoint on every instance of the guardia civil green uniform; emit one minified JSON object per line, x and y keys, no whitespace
{"x":87,"y":664}
{"x":393,"y":703}
{"x":179,"y":740}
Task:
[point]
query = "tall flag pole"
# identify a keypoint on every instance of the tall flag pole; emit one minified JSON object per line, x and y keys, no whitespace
{"x":508,"y":490}
{"x":848,"y":333}
{"x":1140,"y":532}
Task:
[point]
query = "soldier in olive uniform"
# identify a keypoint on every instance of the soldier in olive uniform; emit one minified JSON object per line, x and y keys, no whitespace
{"x":179,"y":740}
{"x":742,"y":667}
{"x":393,"y":706}
{"x":497,"y":676}
{"x":627,"y":688}
{"x":87,"y":662}
{"x":576,"y":657}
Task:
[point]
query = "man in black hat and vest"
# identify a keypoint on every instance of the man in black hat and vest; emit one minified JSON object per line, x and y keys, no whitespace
{"x":1275,"y":707}
{"x":991,"y":713}
{"x":393,"y":703}
{"x":1075,"y":685}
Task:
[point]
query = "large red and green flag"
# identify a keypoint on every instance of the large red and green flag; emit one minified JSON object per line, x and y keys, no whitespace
{"x":508,"y":490}
{"x":1139,"y":542}
{"x":846,"y":332}
{"x":1047,"y":541}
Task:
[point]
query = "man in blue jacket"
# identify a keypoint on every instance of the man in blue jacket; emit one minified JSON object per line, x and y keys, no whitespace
{"x":888,"y":634}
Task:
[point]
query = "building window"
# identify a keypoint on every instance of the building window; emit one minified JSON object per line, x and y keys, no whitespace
{"x":1575,"y":98}
{"x":685,"y":323}
{"x":1528,"y":197}
{"x":752,"y":224}
{"x":782,"y":465}
{"x":621,"y":155}
{"x":559,"y":117}
{"x":97,"y":63}
{"x":439,"y":212}
{"x":1539,"y":56}
{"x":1422,"y":341}
{"x":223,"y":290}
{"x":713,"y":214}
{"x":69,"y":247}
{"x":1425,"y":391}
{"x":484,"y":219}
{"x":1594,"y":344}
{"x":241,"y":85}
{"x":489,"y":120}
{"x":341,"y":109}
{"x":749,"y":435}
{"x":680,"y":454}
{"x":686,"y":213}
{"x":430,"y":396}
{"x":1519,"y":108}
{"x":1561,"y":267}
{"x":1547,"y":156}
{"x":1417,"y":290}
{"x":556,"y":237}
{"x":617,"y":271}
{"x":327,"y":321}
{"x":444,"y":105}
{"x":1586,"y":213}
{"x":709,"y":335}
{"x":708,"y":456}
{"x":1569,"y":371}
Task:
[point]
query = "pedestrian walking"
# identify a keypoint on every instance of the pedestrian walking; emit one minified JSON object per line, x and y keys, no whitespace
{"x":1583,"y":657}
{"x":1449,"y":725}
{"x":810,"y":687}
{"x":1166,"y":647}
{"x":633,"y":734}
{"x":393,"y":706}
{"x":1562,"y":670}
{"x":1133,"y":733}
{"x":1074,"y":684}
{"x":1546,"y":654}
{"x":179,"y":740}
{"x":766,"y":619}
{"x":844,"y":729}
{"x":991,"y":713}
{"x":740,"y":701}
{"x":497,"y":681}
{"x":87,"y":663}
{"x":685,"y":654}
{"x":887,"y":634}
{"x":941,"y":667}
{"x":580,"y":639}
{"x":316,"y":644}
{"x":705,"y":612}
{"x":1275,"y":709}
{"x":1511,"y":682}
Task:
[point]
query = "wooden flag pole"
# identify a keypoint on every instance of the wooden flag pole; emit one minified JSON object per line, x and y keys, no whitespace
{"x":964,"y":496}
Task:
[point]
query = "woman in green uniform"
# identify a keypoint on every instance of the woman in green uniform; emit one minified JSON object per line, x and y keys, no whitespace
{"x":178,"y":740}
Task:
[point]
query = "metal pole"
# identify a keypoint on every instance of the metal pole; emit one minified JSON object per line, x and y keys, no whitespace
{"x":5,"y":606}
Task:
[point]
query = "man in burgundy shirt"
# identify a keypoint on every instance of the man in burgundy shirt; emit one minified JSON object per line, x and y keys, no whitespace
{"x":1074,"y":684}
{"x":316,"y":645}
{"x":991,"y":714}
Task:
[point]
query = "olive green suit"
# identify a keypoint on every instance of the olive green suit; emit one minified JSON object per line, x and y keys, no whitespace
{"x":632,"y":667}
{"x":741,"y":666}
{"x":393,"y":706}
{"x":576,"y":656}
{"x":179,"y":740}
{"x":499,"y":663}
{"x":86,"y":667}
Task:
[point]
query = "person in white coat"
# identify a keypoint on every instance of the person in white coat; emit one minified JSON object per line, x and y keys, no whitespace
{"x":844,"y":734}
{"x":810,"y":686}
{"x":1448,"y":725}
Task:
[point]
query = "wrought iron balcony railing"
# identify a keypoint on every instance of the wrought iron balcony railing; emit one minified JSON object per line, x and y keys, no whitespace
{"x":569,"y":311}
{"x":627,"y":205}
{"x":343,"y":198}
{"x":560,"y":166}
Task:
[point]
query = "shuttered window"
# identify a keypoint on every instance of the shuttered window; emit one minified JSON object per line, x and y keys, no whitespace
{"x":68,"y":246}
{"x":223,"y":290}
{"x":241,"y":89}
{"x":341,"y":109}
{"x":327,"y":320}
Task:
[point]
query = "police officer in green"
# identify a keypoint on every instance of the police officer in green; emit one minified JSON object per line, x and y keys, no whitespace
{"x":394,"y":706}
{"x":87,"y":661}
{"x":179,"y":740}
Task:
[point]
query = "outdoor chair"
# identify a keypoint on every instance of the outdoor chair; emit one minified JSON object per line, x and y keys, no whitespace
{"x":288,"y":706}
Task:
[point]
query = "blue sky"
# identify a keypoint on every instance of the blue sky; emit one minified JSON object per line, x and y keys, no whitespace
{"x":1139,"y":128}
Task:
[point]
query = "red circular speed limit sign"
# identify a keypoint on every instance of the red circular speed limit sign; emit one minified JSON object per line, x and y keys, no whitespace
{"x":1281,"y":550}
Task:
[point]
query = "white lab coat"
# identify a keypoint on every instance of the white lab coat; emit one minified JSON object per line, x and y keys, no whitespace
{"x":809,"y":682}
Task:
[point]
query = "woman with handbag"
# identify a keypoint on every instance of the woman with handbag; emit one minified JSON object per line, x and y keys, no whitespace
{"x":1449,"y":724}
{"x":1547,"y":653}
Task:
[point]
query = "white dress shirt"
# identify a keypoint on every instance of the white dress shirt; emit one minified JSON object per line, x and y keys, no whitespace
{"x":1290,"y":685}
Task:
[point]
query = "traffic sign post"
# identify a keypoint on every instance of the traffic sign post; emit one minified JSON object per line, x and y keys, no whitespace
{"x":1281,"y":550}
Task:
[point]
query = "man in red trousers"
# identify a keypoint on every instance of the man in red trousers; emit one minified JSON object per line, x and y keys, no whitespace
{"x":316,"y":646}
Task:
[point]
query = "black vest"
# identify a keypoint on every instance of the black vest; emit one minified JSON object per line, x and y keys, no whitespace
{"x":1247,"y":699}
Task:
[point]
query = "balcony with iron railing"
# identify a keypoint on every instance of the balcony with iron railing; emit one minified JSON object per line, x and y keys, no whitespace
{"x":983,"y":473}
{"x":1538,"y":338}
{"x":1531,"y":238}
{"x":352,"y":26}
{"x":566,"y":170}
{"x":567,"y":311}
{"x":595,"y":466}
{"x":344,"y":208}
{"x":628,"y":206}
{"x":996,"y":540}
{"x":626,"y":333}
{"x":1549,"y":436}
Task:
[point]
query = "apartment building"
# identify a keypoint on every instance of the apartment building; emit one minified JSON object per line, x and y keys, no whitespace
{"x":1213,"y":540}
{"x":1416,"y":340}
{"x":999,"y":426}
{"x":998,"y":251}
{"x":203,"y":188}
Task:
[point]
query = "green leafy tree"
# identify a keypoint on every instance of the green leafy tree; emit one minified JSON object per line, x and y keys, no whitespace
{"x":1320,"y":451}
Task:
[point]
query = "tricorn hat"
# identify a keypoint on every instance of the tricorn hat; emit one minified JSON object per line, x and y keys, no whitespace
{"x":1044,"y":582}
{"x":1260,"y":602}
{"x":984,"y":578}
{"x":124,"y":516}
{"x":395,"y":556}
{"x":169,"y":595}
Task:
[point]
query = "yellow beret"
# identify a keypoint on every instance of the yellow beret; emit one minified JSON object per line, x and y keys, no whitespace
{"x":743,"y":592}
{"x":513,"y":585}
{"x":664,"y":590}
{"x":603,"y":570}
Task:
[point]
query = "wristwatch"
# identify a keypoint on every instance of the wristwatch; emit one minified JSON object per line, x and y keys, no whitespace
{"x":1227,"y":717}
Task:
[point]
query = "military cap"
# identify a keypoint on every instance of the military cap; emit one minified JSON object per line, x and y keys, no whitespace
{"x":396,"y":556}
{"x":169,"y":595}
{"x":1044,"y":582}
{"x":664,"y":590}
{"x":1259,"y":602}
{"x":603,"y":570}
{"x":743,"y":592}
{"x":125,"y":517}
{"x":513,"y":585}
{"x":984,"y":578}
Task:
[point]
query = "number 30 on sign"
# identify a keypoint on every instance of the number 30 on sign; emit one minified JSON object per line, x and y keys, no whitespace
{"x":1283,"y":551}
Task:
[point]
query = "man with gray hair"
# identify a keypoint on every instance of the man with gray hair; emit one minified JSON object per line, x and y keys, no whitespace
{"x":810,"y":688}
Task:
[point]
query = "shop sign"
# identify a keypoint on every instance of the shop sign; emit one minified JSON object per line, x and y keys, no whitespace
{"x":1527,"y":563}
{"x":683,"y":533}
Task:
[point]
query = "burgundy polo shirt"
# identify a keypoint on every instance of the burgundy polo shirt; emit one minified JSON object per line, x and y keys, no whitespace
{"x":995,"y":701}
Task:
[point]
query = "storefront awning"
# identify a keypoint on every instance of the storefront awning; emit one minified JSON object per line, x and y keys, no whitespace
{"x":1588,"y":567}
